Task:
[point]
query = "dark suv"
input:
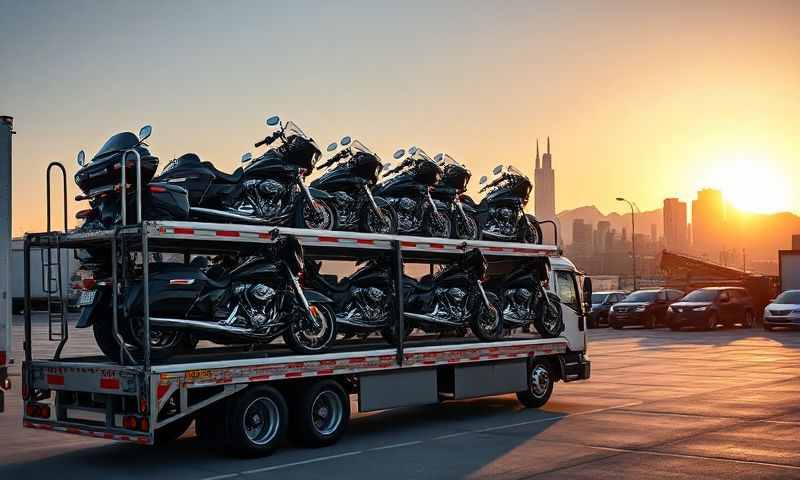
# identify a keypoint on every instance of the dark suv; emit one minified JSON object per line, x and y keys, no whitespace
{"x":707,"y":307}
{"x":601,"y":304}
{"x":647,"y":308}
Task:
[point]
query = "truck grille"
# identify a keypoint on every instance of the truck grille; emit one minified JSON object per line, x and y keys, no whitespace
{"x":779,"y":313}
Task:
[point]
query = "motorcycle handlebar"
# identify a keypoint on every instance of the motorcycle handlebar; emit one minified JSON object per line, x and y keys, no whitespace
{"x":268,"y":140}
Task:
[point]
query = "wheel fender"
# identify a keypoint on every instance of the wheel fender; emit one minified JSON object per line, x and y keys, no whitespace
{"x":313,"y":296}
{"x":468,"y":209}
{"x":91,"y":312}
{"x":320,"y":194}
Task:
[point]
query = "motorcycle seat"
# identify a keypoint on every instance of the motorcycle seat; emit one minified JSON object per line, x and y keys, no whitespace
{"x":225,"y":177}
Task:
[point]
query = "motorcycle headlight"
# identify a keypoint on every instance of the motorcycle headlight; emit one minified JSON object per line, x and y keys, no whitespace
{"x":700,"y":309}
{"x":641,"y":308}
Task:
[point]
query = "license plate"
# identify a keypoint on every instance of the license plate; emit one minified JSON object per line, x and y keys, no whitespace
{"x":87,"y":298}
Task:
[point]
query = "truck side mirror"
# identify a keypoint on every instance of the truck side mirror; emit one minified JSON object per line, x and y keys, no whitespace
{"x":587,"y":294}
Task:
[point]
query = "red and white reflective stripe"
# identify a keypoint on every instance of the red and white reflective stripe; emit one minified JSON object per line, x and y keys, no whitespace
{"x":315,"y":368}
{"x":142,"y":440}
{"x":109,"y":383}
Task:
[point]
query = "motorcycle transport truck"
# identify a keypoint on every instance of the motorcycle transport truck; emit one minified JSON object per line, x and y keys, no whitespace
{"x":254,"y":396}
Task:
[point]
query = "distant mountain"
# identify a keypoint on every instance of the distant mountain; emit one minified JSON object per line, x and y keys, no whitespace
{"x":590,"y":214}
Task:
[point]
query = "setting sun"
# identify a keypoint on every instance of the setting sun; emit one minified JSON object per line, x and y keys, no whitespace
{"x":751,"y":183}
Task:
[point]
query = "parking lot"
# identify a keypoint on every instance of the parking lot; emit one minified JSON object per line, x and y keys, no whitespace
{"x":660,"y":404}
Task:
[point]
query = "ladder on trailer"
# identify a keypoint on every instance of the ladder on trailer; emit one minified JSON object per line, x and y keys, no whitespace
{"x":52,"y":271}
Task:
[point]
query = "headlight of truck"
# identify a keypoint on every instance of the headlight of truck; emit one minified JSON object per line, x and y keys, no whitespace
{"x":669,"y":309}
{"x":700,"y":309}
{"x":640,"y":309}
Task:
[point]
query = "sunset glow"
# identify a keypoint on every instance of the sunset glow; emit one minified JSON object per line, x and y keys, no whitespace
{"x":752,"y":184}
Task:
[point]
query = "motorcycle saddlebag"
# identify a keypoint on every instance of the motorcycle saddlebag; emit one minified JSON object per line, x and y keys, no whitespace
{"x":163,"y":201}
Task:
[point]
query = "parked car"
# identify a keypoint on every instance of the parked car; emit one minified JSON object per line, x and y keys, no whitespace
{"x":783,"y":311}
{"x":708,"y":307}
{"x":601,"y":304}
{"x":647,"y":307}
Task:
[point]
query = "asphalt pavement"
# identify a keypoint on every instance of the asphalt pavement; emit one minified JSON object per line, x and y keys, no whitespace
{"x":660,"y":404}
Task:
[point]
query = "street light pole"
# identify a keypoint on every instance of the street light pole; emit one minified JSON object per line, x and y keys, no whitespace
{"x":633,"y":238}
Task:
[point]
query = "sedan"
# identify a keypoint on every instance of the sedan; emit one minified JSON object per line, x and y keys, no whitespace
{"x":784,"y":311}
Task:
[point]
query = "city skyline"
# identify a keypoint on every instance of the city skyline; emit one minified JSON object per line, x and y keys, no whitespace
{"x":441,"y":76}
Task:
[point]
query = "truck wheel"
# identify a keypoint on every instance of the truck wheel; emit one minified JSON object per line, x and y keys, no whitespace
{"x":321,"y":415}
{"x":256,"y":421}
{"x":540,"y":384}
{"x":172,"y":431}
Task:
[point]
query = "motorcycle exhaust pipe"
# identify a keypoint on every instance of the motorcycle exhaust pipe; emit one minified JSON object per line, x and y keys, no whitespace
{"x":202,"y":326}
{"x":429,"y":319}
{"x":228,"y":215}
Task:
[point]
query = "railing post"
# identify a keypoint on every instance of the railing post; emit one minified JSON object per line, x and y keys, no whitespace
{"x":398,"y":310}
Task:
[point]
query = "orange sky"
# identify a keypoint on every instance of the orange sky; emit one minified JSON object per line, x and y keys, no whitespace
{"x":640,"y":100}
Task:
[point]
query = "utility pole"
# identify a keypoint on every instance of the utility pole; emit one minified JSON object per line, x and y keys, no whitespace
{"x":633,"y":237}
{"x":6,"y":130}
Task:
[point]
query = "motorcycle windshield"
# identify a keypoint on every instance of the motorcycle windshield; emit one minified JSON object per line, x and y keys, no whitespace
{"x":512,"y":170}
{"x":445,"y":160}
{"x":293,"y":130}
{"x":117,"y":143}
{"x":420,"y":154}
{"x":360,"y":147}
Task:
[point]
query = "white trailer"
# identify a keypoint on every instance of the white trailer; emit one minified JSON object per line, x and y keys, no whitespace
{"x":241,"y":395}
{"x":789,"y":269}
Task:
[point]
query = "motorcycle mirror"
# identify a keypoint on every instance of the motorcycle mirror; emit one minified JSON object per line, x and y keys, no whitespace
{"x":412,"y":150}
{"x":247,"y":157}
{"x":331,"y":147}
{"x":386,"y":166}
{"x":345,"y":141}
{"x":273,"y":120}
{"x":81,"y":158}
{"x":483,"y":180}
{"x":438,"y":157}
{"x":145,"y":132}
{"x":497,"y":169}
{"x":399,"y":154}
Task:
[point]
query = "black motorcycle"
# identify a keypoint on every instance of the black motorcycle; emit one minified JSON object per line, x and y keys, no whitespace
{"x":526,"y":301}
{"x":450,"y":191}
{"x":253,"y":303}
{"x":351,"y":175}
{"x":501,"y":215}
{"x":269,"y":190}
{"x":453,"y":299}
{"x":101,"y":181}
{"x":364,"y":301}
{"x":408,"y":191}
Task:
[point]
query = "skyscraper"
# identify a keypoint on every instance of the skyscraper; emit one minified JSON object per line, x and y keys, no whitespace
{"x":544,"y":189}
{"x":675,"y":227}
{"x":708,"y":218}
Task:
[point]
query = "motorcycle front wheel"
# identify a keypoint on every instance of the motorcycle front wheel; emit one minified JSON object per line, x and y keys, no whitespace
{"x":316,"y":216}
{"x":487,"y":323}
{"x":548,"y":320}
{"x":304,"y":337}
{"x":371,"y":223}
{"x":436,"y":225}
{"x":532,"y":234}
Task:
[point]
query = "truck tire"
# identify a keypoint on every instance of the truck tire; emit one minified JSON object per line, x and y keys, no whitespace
{"x":321,"y":414}
{"x":541,"y":379}
{"x":256,"y":421}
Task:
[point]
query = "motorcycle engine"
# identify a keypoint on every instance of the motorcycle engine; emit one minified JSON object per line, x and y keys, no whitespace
{"x":345,"y":209}
{"x":451,"y":304}
{"x":258,"y":304}
{"x":368,"y":307}
{"x":518,"y":306}
{"x":406,"y":214}
{"x":501,"y":222}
